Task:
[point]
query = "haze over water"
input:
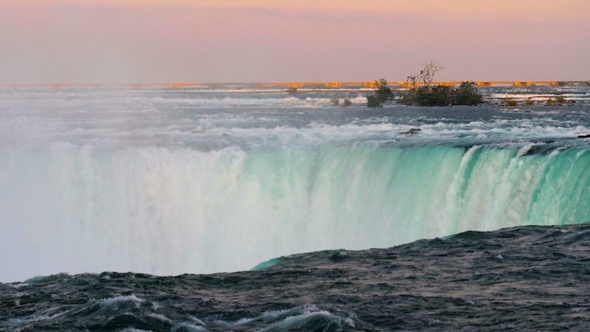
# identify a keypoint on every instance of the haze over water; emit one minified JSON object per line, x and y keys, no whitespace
{"x":172,"y":181}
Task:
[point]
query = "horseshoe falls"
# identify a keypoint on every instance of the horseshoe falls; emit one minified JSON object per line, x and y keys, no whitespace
{"x":173,"y":181}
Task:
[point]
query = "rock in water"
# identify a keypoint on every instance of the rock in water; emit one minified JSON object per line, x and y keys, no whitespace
{"x":523,"y":278}
{"x":412,"y":131}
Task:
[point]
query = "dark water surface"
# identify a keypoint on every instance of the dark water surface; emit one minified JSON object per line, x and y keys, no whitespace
{"x":525,"y":278}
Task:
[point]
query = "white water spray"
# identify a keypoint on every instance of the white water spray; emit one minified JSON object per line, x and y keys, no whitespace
{"x":177,"y":210}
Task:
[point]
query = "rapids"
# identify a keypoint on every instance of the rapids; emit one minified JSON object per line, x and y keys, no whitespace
{"x":170,"y":182}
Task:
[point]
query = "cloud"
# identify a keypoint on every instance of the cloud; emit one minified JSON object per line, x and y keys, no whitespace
{"x":119,"y":10}
{"x":323,"y":15}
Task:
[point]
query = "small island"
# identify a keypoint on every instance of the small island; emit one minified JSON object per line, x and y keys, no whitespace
{"x":427,"y":93}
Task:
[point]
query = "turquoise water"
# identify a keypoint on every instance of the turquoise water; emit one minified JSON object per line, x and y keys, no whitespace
{"x":170,"y":182}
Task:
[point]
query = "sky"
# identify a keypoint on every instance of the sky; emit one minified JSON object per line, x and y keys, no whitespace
{"x":127,"y":41}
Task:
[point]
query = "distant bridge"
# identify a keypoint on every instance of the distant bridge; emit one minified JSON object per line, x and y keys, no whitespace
{"x":287,"y":85}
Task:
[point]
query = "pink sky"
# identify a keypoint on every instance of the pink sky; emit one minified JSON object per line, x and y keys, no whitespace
{"x":43,"y":41}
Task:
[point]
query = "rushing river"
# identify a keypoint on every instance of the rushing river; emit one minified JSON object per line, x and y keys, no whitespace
{"x":172,"y":181}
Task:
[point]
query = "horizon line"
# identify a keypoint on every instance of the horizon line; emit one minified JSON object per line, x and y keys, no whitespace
{"x":294,"y":84}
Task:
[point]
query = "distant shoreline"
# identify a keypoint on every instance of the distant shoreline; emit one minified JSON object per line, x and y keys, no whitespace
{"x":296,"y":85}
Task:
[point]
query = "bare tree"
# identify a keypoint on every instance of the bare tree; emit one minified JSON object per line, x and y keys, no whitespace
{"x":427,"y":73}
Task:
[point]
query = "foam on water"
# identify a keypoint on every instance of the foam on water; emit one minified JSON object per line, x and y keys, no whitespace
{"x":170,"y":211}
{"x":130,"y":310}
{"x":128,"y":307}
{"x":139,"y":181}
